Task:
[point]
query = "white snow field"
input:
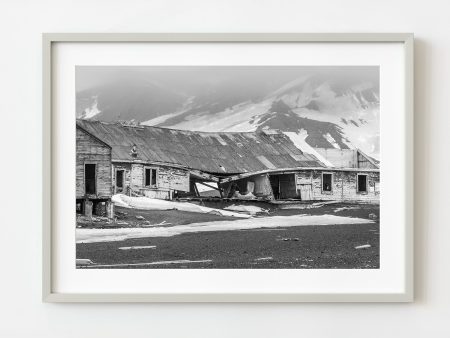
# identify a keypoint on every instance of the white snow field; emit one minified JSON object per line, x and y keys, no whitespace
{"x":109,"y":235}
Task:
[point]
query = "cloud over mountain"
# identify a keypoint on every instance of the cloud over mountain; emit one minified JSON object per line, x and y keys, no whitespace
{"x":335,"y":107}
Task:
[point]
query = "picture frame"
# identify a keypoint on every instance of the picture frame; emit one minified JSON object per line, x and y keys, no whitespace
{"x":49,"y":294}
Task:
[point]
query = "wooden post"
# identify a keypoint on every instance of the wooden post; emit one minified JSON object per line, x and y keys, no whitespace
{"x":110,"y":209}
{"x":196,"y":190}
{"x":271,"y":196}
{"x":88,"y":208}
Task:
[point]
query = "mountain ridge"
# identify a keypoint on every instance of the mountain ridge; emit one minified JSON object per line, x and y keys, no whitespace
{"x":329,"y":114}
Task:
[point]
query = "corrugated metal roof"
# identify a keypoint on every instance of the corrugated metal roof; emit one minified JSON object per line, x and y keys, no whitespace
{"x":235,"y":152}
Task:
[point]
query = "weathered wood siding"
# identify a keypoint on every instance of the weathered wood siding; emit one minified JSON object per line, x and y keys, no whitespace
{"x":363,"y":162}
{"x":91,"y":150}
{"x":173,"y":178}
{"x":168,"y":179}
{"x":344,"y":185}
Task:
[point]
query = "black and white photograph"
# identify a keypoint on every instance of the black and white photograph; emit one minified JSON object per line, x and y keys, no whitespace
{"x":227,"y":167}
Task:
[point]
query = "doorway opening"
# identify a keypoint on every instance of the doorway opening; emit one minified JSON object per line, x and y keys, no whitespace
{"x":362,"y":183}
{"x":89,"y":179}
{"x":283,"y":186}
{"x":119,"y":180}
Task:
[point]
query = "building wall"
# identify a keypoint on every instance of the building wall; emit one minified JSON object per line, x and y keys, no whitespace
{"x":341,"y":158}
{"x":168,"y":179}
{"x":345,"y":158}
{"x":363,"y":162}
{"x":90,"y":150}
{"x":344,"y":185}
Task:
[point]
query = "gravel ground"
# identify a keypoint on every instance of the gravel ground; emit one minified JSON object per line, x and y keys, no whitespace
{"x":322,"y":247}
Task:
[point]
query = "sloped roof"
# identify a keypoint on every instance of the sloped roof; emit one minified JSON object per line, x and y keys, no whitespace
{"x":220,"y":153}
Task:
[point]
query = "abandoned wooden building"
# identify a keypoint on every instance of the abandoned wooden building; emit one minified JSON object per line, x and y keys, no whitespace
{"x":166,"y":164}
{"x":93,"y":174}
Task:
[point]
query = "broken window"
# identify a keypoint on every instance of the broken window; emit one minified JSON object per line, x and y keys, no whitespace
{"x":327,"y":182}
{"x":89,"y":178}
{"x":151,"y":177}
{"x":362,"y":183}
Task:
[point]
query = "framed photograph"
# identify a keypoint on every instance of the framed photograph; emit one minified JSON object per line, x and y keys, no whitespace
{"x":228,"y":167}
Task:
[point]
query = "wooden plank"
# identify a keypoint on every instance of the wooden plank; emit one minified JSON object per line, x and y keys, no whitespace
{"x":205,"y":176}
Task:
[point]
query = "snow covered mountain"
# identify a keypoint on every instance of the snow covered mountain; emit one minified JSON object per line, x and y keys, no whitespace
{"x":327,"y":109}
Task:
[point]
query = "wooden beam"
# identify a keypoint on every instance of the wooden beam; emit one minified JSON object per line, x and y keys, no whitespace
{"x":196,"y":190}
{"x":205,"y":176}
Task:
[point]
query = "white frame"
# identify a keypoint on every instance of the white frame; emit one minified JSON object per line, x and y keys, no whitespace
{"x":49,"y":295}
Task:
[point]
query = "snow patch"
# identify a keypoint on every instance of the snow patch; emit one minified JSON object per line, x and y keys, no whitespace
{"x":348,"y":143}
{"x":331,"y":140}
{"x":121,"y":234}
{"x":365,"y":246}
{"x":299,"y":141}
{"x":93,"y":110}
{"x":83,"y":262}
{"x":163,"y":118}
{"x":345,"y":208}
{"x":146,"y":203}
{"x":137,"y":247}
{"x":203,"y":188}
{"x":249,"y":209}
{"x":181,"y":261}
{"x":264,"y":259}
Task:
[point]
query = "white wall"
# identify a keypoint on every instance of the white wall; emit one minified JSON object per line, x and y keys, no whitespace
{"x":21,"y":312}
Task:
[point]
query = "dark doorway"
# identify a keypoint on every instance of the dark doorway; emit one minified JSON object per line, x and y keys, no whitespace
{"x":283,"y":186}
{"x":119,"y":180}
{"x":89,"y":179}
{"x":275,"y":184}
{"x":362,"y":183}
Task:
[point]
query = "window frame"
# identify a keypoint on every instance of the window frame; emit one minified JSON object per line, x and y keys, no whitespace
{"x":332,"y":182}
{"x":155,"y":184}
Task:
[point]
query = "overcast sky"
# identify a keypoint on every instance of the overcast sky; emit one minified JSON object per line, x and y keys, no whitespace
{"x":88,"y":77}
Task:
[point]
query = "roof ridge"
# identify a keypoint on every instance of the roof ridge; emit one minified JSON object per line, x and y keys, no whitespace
{"x":166,"y":128}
